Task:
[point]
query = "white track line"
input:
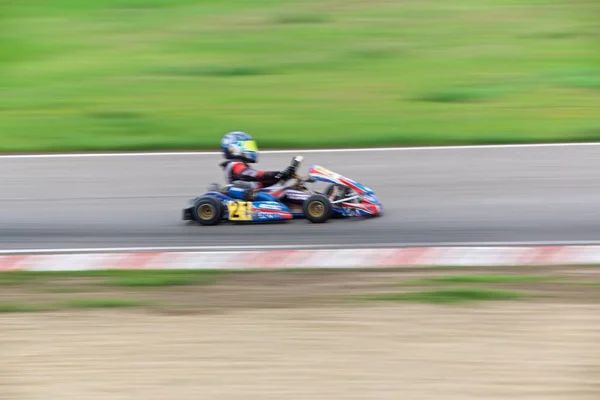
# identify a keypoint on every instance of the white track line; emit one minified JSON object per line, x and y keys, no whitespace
{"x":298,"y":151}
{"x":295,"y":247}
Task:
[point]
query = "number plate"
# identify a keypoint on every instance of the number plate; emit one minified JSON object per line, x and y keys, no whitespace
{"x":240,"y":210}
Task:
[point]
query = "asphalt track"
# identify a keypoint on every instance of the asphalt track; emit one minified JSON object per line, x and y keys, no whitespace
{"x":436,"y":196}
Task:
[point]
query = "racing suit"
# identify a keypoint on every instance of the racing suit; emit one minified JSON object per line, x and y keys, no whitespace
{"x":246,"y":180}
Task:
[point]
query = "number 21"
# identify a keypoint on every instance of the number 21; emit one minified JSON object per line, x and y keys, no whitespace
{"x":240,"y":210}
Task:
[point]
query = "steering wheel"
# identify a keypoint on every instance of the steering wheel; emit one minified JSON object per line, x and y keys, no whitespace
{"x":295,"y":164}
{"x":293,"y":167}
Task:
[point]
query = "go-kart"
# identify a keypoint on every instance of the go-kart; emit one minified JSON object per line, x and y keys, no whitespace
{"x":343,"y":197}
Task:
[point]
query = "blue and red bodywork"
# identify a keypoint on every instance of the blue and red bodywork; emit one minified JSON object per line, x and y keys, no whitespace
{"x":368,"y":204}
{"x":266,"y":207}
{"x":262,"y":209}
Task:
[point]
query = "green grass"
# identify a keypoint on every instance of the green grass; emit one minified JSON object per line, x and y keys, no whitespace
{"x":103,"y":303}
{"x":9,"y":278}
{"x":584,"y":79}
{"x":82,"y":303}
{"x":154,"y":74}
{"x":465,"y":94}
{"x":8,"y":308}
{"x":125,"y":278}
{"x":159,"y":280}
{"x":65,"y":289}
{"x":466,"y":279}
{"x":448,"y":296}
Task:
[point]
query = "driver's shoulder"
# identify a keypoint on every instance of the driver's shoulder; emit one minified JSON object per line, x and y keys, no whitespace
{"x":234,"y":166}
{"x":226,"y":163}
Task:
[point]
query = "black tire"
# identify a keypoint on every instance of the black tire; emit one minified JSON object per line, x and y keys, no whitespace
{"x":208,"y":210}
{"x":317,"y":208}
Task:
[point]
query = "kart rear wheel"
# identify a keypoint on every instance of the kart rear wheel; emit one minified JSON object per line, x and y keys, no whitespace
{"x":208,"y":210}
{"x":317,"y":208}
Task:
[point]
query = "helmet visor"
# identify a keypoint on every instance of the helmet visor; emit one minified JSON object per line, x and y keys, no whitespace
{"x":248,"y":145}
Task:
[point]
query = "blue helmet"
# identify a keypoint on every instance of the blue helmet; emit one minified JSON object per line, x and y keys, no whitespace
{"x":239,"y":146}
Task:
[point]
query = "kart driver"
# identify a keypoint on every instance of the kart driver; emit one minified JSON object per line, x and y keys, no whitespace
{"x":239,"y":149}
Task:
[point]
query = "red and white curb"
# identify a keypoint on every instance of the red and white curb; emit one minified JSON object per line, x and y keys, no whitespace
{"x":308,"y":259}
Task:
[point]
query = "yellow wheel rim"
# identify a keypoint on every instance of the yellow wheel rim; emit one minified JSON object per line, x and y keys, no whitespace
{"x":316,"y":209}
{"x":206,"y":211}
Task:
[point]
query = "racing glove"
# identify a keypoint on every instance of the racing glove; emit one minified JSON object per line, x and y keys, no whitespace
{"x":286,"y":174}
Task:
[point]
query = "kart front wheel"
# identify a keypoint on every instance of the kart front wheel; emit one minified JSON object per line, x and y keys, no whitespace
{"x":317,"y":208}
{"x":208,"y":210}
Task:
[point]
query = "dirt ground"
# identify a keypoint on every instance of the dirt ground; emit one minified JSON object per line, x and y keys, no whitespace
{"x":297,"y":336}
